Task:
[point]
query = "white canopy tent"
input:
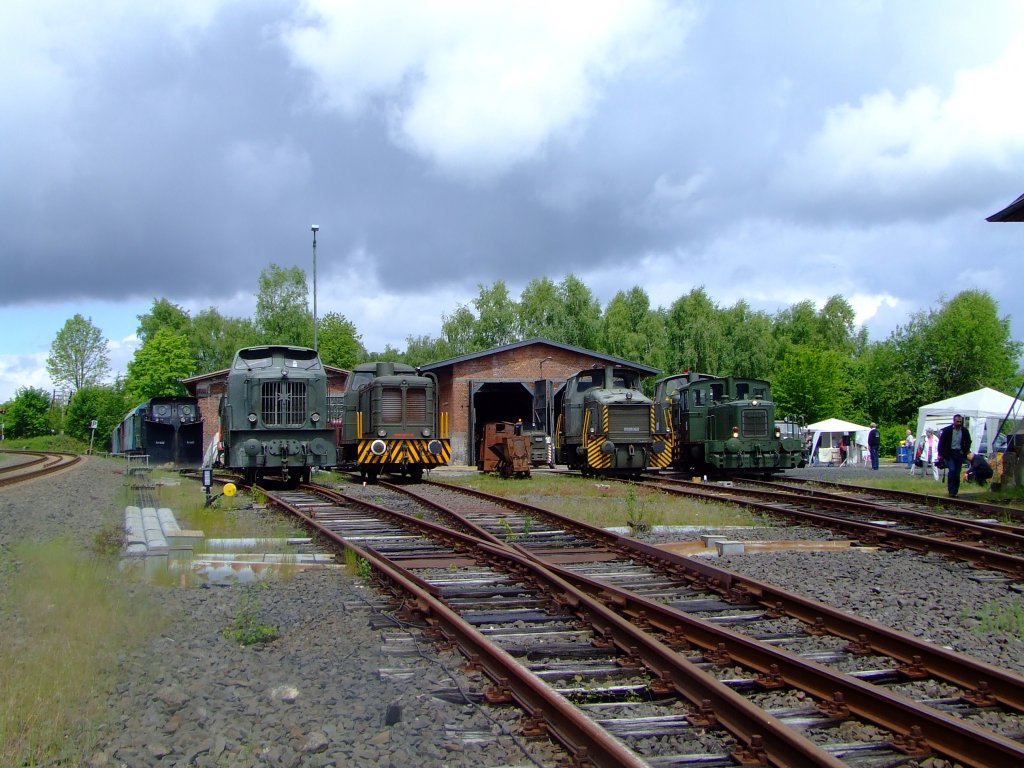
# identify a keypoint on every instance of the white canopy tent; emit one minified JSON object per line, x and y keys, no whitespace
{"x":982,"y":410}
{"x":828,"y":432}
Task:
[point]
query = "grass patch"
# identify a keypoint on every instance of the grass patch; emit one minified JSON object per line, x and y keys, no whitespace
{"x":66,"y":617}
{"x":248,"y":627}
{"x":998,"y":616}
{"x":357,"y":566}
{"x":608,"y":503}
{"x":63,"y":443}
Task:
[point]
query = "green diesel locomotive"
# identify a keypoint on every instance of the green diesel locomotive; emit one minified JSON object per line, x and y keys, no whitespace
{"x":722,"y":425}
{"x":273,"y":415}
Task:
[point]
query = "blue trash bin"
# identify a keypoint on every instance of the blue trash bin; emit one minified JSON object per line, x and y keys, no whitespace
{"x":903,"y":455}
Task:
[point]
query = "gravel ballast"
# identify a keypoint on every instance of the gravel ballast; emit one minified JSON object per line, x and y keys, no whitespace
{"x":342,"y":685}
{"x":345,"y":685}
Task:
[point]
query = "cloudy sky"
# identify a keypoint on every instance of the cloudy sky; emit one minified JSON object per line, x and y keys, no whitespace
{"x":772,"y":152}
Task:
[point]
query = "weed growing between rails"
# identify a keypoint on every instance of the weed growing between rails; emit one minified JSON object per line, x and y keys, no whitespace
{"x":638,"y":517}
{"x":1006,"y":616}
{"x":358,"y":566}
{"x":248,"y":628}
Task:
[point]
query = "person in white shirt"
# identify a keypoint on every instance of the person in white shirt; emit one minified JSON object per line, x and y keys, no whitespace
{"x":928,"y":453}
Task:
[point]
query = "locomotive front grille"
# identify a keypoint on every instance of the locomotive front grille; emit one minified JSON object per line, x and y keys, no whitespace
{"x":416,"y":405}
{"x":391,"y":405}
{"x":283,"y":403}
{"x":754,"y":422}
{"x":629,"y":422}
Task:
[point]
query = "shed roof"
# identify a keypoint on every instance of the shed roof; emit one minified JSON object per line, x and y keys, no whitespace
{"x":1013,"y":212}
{"x":640,"y":367}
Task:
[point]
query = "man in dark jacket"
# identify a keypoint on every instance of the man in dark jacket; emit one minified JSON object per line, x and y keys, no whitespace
{"x":954,"y":445}
{"x":874,"y":443}
{"x":978,"y":470}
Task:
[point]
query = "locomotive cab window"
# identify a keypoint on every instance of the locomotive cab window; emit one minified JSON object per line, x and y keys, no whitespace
{"x":742,"y":390}
{"x":306,"y":363}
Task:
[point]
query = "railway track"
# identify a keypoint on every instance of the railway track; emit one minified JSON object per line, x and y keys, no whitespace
{"x":985,"y":543}
{"x":910,"y":499}
{"x":28,"y":465}
{"x":655,"y":649}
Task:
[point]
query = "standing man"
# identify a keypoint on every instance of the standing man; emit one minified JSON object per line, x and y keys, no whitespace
{"x":954,"y":445}
{"x":873,"y":444}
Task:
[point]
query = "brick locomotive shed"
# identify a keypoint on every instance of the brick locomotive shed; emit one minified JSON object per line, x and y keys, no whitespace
{"x":523,"y":382}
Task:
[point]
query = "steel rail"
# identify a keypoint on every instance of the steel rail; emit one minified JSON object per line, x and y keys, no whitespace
{"x":761,"y":733}
{"x":948,"y":735}
{"x":870,"y":533}
{"x":924,"y":499}
{"x":52,"y":461}
{"x":984,"y":682}
{"x":1011,"y":536}
{"x":919,"y":727}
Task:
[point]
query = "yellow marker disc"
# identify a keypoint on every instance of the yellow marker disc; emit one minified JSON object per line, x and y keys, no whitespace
{"x":230,"y":489}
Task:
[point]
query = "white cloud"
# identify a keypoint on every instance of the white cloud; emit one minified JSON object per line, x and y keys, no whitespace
{"x":17,"y":371}
{"x":478,"y":87}
{"x":899,"y":145}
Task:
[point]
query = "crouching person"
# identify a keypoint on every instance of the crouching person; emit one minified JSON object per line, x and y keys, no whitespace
{"x":978,"y":469}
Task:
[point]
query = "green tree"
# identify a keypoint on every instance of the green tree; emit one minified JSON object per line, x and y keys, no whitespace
{"x":797,"y":325}
{"x":390,"y":354}
{"x":107,"y":405}
{"x":580,"y":324}
{"x":458,"y":331}
{"x":814,"y":383}
{"x":78,"y":355}
{"x":214,"y":339}
{"x":835,"y":325}
{"x":282,"y":311}
{"x":540,"y":310}
{"x":696,"y":340}
{"x":163,"y":314}
{"x":420,"y":350}
{"x":338,"y":341}
{"x":634,"y":331}
{"x":750,"y":349}
{"x":971,"y":345}
{"x":958,"y":347}
{"x":28,"y":415}
{"x":496,"y":317}
{"x":158,"y":366}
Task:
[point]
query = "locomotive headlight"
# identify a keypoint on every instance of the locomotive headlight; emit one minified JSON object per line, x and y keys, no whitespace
{"x":314,"y":417}
{"x":778,"y":433}
{"x":425,"y":432}
{"x":735,"y":432}
{"x":252,"y":418}
{"x":382,"y":433}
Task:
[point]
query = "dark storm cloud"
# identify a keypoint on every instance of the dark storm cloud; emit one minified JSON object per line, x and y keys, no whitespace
{"x":769,"y":154}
